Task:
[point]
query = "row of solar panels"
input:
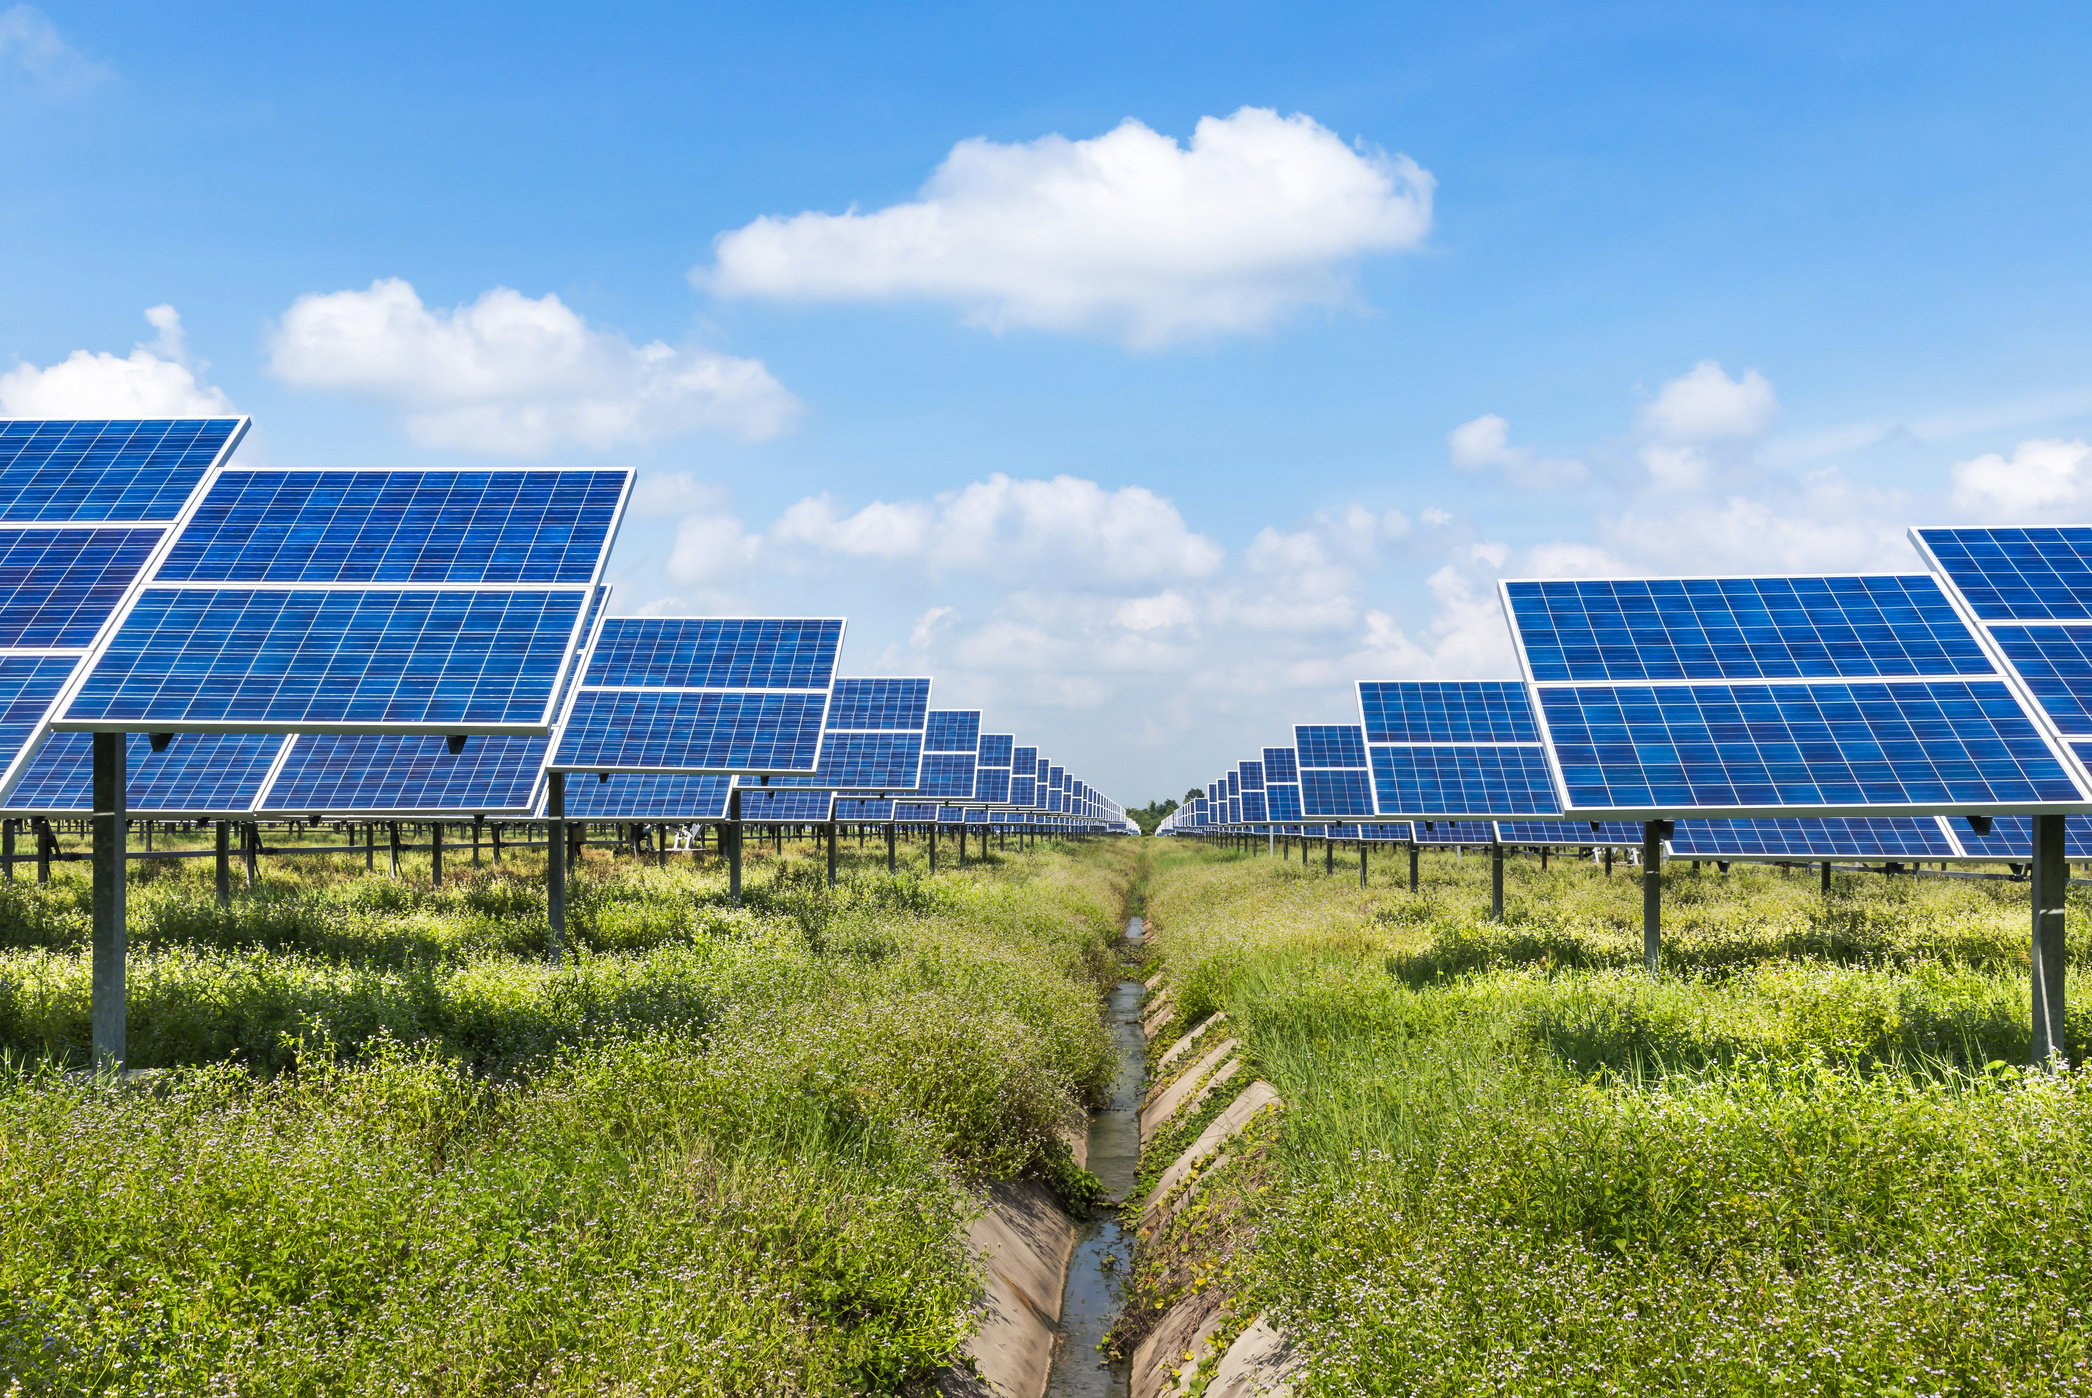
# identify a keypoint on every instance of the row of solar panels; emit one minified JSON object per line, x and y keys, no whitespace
{"x":420,"y":643}
{"x":1748,"y":703}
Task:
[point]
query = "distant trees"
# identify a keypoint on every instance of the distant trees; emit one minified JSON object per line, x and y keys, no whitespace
{"x":1153,"y":814}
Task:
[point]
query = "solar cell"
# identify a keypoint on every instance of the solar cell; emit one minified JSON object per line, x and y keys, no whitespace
{"x":954,"y":730}
{"x":285,"y":660}
{"x":653,"y":796}
{"x":1833,"y":837}
{"x":1280,"y":765}
{"x":1253,"y":808}
{"x":1484,"y":711}
{"x":1024,"y":760}
{"x":108,"y":470}
{"x":870,"y":705}
{"x":1741,"y":628}
{"x":715,"y":653}
{"x":997,"y":749}
{"x":1455,"y":780}
{"x":58,"y":586}
{"x":1750,"y":748}
{"x":1329,"y":745}
{"x":198,"y":774}
{"x":992,"y":784}
{"x":1252,"y":775}
{"x":948,"y":775}
{"x":398,"y":526}
{"x":692,"y":731}
{"x":864,"y":762}
{"x":1282,"y":800}
{"x":377,"y":773}
{"x":1335,"y":791}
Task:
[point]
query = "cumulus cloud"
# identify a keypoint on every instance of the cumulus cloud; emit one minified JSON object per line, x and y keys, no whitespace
{"x":1820,"y":523}
{"x":1129,"y":235}
{"x":517,"y":375}
{"x":157,"y":379}
{"x":710,"y":546}
{"x":1485,"y":443}
{"x":1706,"y":405}
{"x":33,"y":51}
{"x":1073,"y":527}
{"x":2042,"y":477}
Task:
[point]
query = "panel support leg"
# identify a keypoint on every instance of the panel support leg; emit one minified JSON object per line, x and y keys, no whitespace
{"x":45,"y":847}
{"x":2051,"y":877}
{"x":224,"y":862}
{"x":7,"y":848}
{"x":392,"y":833}
{"x":933,"y":851}
{"x":1826,"y":876}
{"x":479,"y":830}
{"x":730,"y":835}
{"x":892,"y":856}
{"x":555,"y":866}
{"x":436,"y":854}
{"x":1361,"y":863}
{"x":1413,"y":880}
{"x":107,"y":1007}
{"x":1652,"y":893}
{"x":253,"y":853}
{"x":831,"y":854}
{"x":1496,"y":882}
{"x":1329,"y":855}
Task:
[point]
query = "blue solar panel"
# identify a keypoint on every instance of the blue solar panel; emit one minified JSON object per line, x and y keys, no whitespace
{"x":1252,"y":774}
{"x":1233,"y":781}
{"x":685,"y":730}
{"x":879,"y":705}
{"x":1468,"y":711}
{"x":948,"y":775}
{"x":954,"y":730}
{"x":992,"y":784}
{"x":1568,"y":832}
{"x":1832,"y":837}
{"x":383,"y":772}
{"x":863,"y":808}
{"x":864,"y":762}
{"x":1280,"y":765}
{"x":2017,"y":574}
{"x":758,"y":803}
{"x":997,"y":749}
{"x":1452,"y":780}
{"x":289,"y":659}
{"x":1024,"y":791}
{"x":1453,"y":832}
{"x":2056,"y":663}
{"x":1253,"y":807}
{"x":1329,"y":745}
{"x":198,"y":774}
{"x":1746,"y":747}
{"x":1282,"y":800}
{"x":2011,"y":839}
{"x":1024,"y":761}
{"x":398,"y":527}
{"x":57,"y":586}
{"x":1335,"y":791}
{"x":915,"y":812}
{"x":951,"y":815}
{"x":648,"y":796}
{"x":1741,"y":628}
{"x":28,"y":684}
{"x":715,"y":653}
{"x":142,"y":470}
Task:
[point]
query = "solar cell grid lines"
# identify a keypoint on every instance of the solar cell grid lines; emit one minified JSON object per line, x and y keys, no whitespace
{"x":127,"y":469}
{"x":2011,"y":838}
{"x":692,"y":731}
{"x":198,"y":774}
{"x":1252,"y":775}
{"x":1741,"y":628}
{"x":1569,"y":832}
{"x":997,"y":749}
{"x":660,"y":796}
{"x":58,"y":586}
{"x":1282,"y":800}
{"x":1454,"y":780}
{"x":869,"y":705}
{"x":953,"y":730}
{"x":1870,"y":837}
{"x":1280,"y":765}
{"x":864,"y":762}
{"x":1233,"y":782}
{"x":1470,"y":711}
{"x":406,"y":774}
{"x":1453,"y":832}
{"x":719,"y":653}
{"x":1253,"y":808}
{"x":398,"y":526}
{"x":769,"y":804}
{"x":2033,"y":574}
{"x":947,"y":775}
{"x":1329,"y":745}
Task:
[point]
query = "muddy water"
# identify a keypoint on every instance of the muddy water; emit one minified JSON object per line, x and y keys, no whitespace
{"x":1103,"y":1252}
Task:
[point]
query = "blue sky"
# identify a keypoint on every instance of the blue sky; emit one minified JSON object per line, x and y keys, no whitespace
{"x":1150,"y":445}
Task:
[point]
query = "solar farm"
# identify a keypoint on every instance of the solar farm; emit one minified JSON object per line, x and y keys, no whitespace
{"x":419,"y":975}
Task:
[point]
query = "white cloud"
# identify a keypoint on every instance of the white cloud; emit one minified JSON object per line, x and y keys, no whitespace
{"x":157,"y":379}
{"x":710,"y":546}
{"x":1821,"y":523}
{"x":1704,"y":405}
{"x":2042,"y":477}
{"x":510,"y":374}
{"x":1485,"y":443}
{"x":1129,"y":234}
{"x":1071,"y":527}
{"x":1160,"y":612}
{"x":31,"y":48}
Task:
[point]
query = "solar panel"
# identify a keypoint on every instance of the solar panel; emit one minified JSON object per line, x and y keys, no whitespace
{"x":1473,"y":711}
{"x":407,"y":774}
{"x":1251,"y":775}
{"x":1463,"y":749}
{"x":1865,"y":837}
{"x":28,"y":684}
{"x":992,"y":784}
{"x":1334,"y":778}
{"x":1453,"y":832}
{"x":1280,"y":765}
{"x":1782,"y":697}
{"x":655,"y":796}
{"x":247,"y":641}
{"x":58,"y":586}
{"x":1568,"y":832}
{"x":2011,"y":839}
{"x":2015,"y":574}
{"x":863,"y":808}
{"x":879,"y":705}
{"x":954,"y":730}
{"x":398,"y":526}
{"x":198,"y":774}
{"x":915,"y":812}
{"x":108,"y":470}
{"x":1282,"y":801}
{"x":997,"y":749}
{"x":769,"y":804}
{"x":712,"y":694}
{"x":1253,"y":808}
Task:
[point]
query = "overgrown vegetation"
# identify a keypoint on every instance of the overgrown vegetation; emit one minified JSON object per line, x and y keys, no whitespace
{"x":719,"y":1151}
{"x":1802,"y":1161}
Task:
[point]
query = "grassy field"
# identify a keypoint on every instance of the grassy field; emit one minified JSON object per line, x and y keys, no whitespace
{"x":720,"y":1151}
{"x":1801,"y":1162}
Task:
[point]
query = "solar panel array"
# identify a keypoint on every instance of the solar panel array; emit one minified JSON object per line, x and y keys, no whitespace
{"x":1455,"y":750}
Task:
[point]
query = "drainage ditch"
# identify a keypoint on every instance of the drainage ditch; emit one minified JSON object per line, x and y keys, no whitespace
{"x":1103,"y":1252}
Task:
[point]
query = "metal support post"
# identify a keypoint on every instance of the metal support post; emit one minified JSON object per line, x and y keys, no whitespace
{"x":892,"y":858}
{"x":555,"y":866}
{"x":730,"y":836}
{"x":1496,"y":882}
{"x":933,"y":851}
{"x":1652,"y":893}
{"x":496,"y":834}
{"x":479,"y":828}
{"x":1413,"y":880}
{"x":436,"y":854}
{"x":1826,"y":876}
{"x":831,"y":854}
{"x":1608,"y":861}
{"x":2050,"y":878}
{"x":224,"y":863}
{"x":1361,"y":863}
{"x":370,"y":846}
{"x":46,"y":843}
{"x":7,"y":848}
{"x":392,"y":834}
{"x":1329,"y":854}
{"x":106,"y":1011}
{"x":253,"y":852}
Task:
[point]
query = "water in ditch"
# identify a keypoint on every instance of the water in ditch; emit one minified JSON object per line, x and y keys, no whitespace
{"x":1103,"y":1252}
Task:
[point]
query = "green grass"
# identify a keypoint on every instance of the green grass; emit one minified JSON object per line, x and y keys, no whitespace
{"x":718,"y":1151}
{"x":1509,"y":1163}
